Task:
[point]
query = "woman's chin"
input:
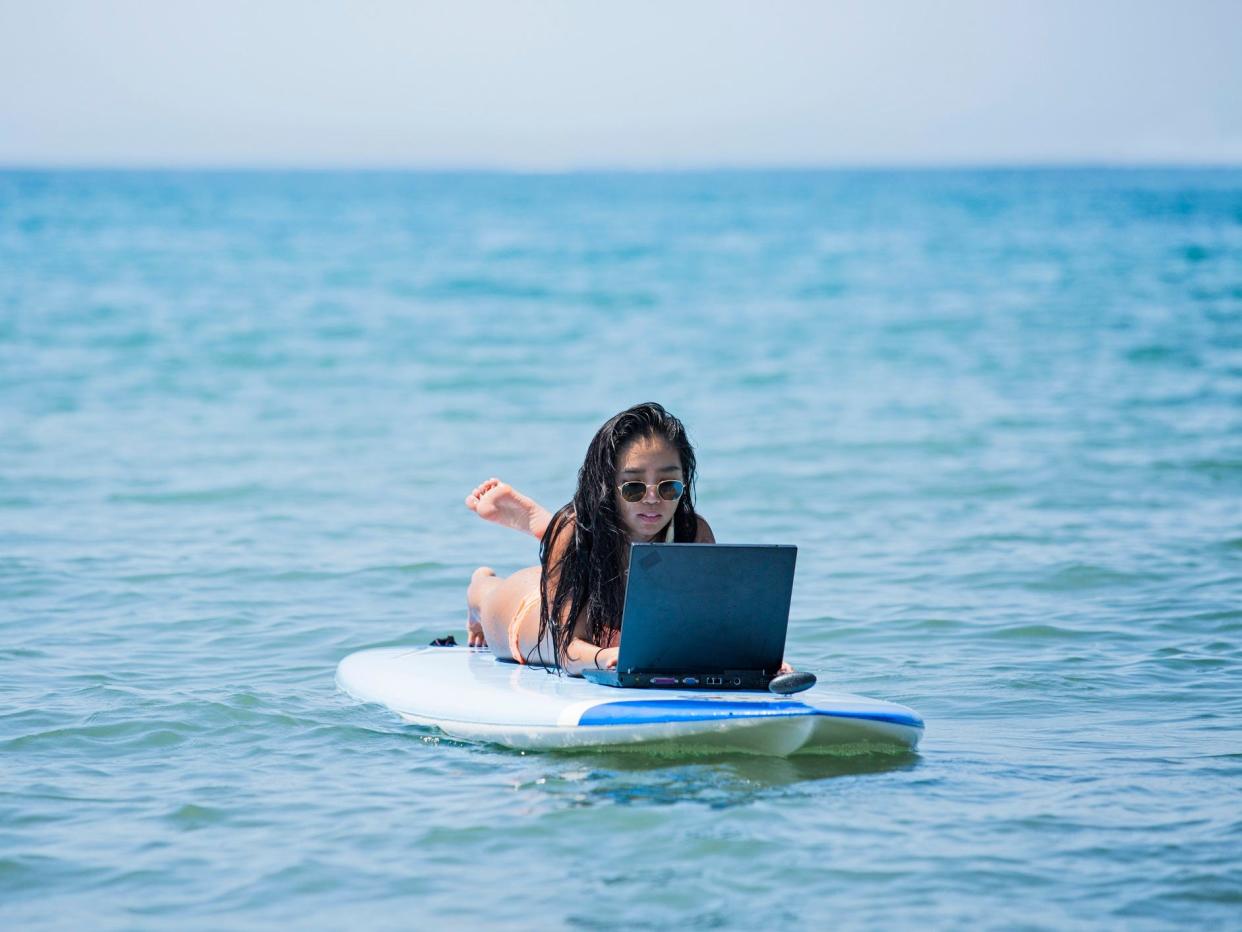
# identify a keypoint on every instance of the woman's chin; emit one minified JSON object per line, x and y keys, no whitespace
{"x":646,"y":531}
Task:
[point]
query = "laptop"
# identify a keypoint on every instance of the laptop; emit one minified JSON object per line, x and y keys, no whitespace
{"x":703,"y":616}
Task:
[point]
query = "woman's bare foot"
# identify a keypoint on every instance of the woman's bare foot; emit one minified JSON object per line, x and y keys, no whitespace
{"x":503,"y":504}
{"x":482,"y":581}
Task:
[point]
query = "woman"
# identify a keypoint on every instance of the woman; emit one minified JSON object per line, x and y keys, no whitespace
{"x":636,"y":484}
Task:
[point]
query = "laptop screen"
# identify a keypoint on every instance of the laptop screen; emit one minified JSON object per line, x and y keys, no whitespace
{"x":701,"y":608}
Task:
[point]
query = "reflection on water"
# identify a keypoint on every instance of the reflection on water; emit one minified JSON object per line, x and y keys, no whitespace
{"x":719,"y":781}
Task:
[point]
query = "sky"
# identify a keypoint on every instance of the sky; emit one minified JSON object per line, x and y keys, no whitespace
{"x":553,"y":85}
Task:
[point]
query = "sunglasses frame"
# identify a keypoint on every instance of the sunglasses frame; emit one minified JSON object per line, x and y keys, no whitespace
{"x":648,"y":485}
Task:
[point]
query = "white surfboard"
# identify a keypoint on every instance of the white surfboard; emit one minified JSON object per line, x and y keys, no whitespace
{"x":469,"y":695}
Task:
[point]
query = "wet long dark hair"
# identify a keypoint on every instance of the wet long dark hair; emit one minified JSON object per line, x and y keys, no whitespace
{"x":589,"y":574}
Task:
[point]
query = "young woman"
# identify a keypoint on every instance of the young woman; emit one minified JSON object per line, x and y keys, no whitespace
{"x":636,"y":484}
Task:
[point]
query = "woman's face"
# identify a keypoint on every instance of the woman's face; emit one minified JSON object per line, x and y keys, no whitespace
{"x":649,"y":460}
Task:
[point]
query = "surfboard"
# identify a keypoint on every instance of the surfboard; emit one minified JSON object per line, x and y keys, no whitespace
{"x":469,"y":695}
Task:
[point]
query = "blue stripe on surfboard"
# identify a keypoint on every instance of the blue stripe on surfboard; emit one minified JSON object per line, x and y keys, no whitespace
{"x":655,"y":711}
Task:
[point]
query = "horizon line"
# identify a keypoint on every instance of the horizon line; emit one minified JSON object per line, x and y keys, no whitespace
{"x":998,"y":165}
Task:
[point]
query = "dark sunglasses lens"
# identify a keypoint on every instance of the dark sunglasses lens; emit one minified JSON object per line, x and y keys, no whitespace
{"x":670,"y":489}
{"x":633,"y":491}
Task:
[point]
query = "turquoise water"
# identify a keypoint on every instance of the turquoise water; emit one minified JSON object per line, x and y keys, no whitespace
{"x":1000,"y":414}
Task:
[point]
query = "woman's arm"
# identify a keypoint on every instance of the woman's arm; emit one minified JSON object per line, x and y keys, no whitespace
{"x":583,"y":655}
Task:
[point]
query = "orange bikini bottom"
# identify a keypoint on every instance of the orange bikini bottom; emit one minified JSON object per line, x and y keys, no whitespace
{"x":524,"y":608}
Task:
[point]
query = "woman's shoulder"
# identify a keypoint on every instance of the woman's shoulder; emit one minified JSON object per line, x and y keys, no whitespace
{"x":559,"y":535}
{"x":703,"y":534}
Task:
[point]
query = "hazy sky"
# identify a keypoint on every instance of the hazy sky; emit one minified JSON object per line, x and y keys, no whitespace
{"x":549,"y":85}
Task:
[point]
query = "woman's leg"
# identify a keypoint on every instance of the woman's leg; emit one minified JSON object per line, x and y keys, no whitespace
{"x":505,"y":612}
{"x":483,"y":582}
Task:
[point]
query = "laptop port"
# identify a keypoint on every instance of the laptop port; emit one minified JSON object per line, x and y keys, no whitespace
{"x":737,"y":681}
{"x":714,"y":680}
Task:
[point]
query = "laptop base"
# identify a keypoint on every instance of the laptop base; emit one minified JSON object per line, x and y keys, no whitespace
{"x":728,"y":680}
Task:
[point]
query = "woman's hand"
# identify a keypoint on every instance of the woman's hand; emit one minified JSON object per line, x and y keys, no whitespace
{"x":585,"y":655}
{"x":785,"y":668}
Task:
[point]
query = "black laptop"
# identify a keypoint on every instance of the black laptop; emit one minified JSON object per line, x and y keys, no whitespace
{"x":703,"y":616}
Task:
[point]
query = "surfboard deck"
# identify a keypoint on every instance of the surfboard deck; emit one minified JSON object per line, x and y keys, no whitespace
{"x":469,"y":695}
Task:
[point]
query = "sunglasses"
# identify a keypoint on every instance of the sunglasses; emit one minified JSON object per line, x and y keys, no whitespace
{"x":667,"y":489}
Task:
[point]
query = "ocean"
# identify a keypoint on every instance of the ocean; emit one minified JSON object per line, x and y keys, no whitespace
{"x":998,"y":412}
